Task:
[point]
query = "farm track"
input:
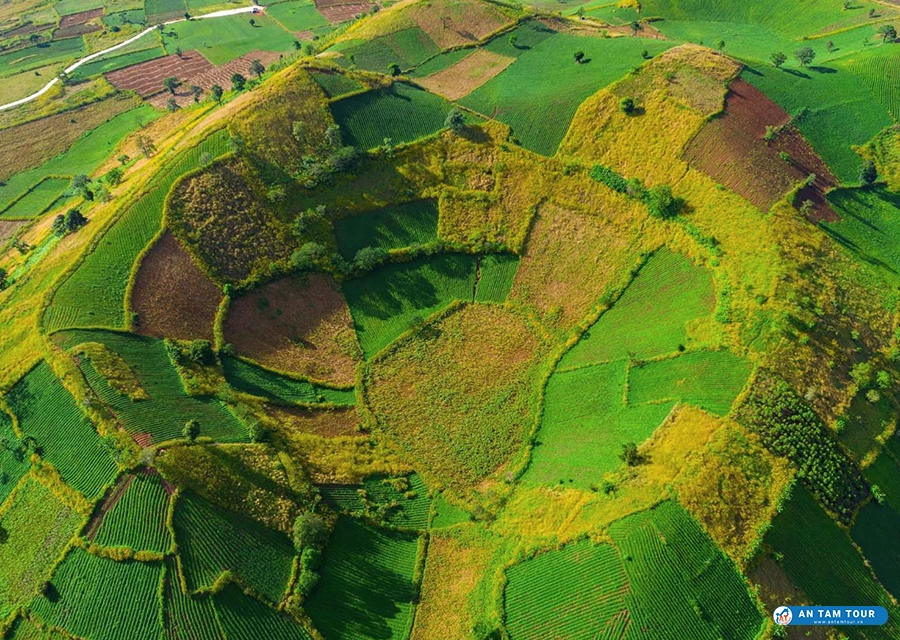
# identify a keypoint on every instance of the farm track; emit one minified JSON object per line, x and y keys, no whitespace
{"x":115,"y":494}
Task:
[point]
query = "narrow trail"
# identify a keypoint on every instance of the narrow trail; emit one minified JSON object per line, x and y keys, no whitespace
{"x":98,"y":54}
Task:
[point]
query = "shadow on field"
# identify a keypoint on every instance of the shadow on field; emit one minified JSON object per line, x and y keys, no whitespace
{"x":818,"y":69}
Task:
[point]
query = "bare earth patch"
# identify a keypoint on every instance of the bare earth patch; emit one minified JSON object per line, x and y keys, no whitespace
{"x":733,"y":151}
{"x":569,"y":261}
{"x":297,"y":325}
{"x":462,"y":78}
{"x":146,"y":78}
{"x":172,"y":296}
{"x":336,"y":11}
{"x":8,"y":228}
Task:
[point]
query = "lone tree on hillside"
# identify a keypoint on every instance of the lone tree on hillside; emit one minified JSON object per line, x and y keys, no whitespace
{"x":252,"y":22}
{"x":778,"y":58}
{"x":868,"y":174}
{"x":394,"y":69}
{"x":579,"y":56}
{"x":170,"y":84}
{"x":635,"y":27}
{"x":3,"y":279}
{"x":191,"y":430}
{"x":257,"y":68}
{"x":71,"y":222}
{"x":455,"y":121}
{"x":630,"y":455}
{"x":238,"y":82}
{"x":513,"y":39}
{"x":310,"y":531}
{"x":196,"y":91}
{"x":626,"y":106}
{"x":805,"y":56}
{"x":887,"y":33}
{"x":145,"y":145}
{"x":720,"y":45}
{"x":216,"y":92}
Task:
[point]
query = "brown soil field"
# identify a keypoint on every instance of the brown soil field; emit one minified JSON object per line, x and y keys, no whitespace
{"x":24,"y":30}
{"x":732,"y":150}
{"x":569,"y":261}
{"x":336,"y":11}
{"x":328,"y":423}
{"x":775,"y":589}
{"x":79,"y":18}
{"x":76,"y":30}
{"x":147,"y":78}
{"x":172,"y":296}
{"x":462,"y":78}
{"x":220,"y":75}
{"x":50,"y":136}
{"x":297,"y":325}
{"x":452,"y":23}
{"x":8,"y":228}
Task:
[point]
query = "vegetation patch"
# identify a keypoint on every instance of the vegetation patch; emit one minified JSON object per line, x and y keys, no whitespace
{"x":334,"y":83}
{"x":243,"y":616}
{"x":872,"y":532}
{"x":405,"y":48}
{"x":137,"y":517}
{"x":14,"y":457}
{"x":405,"y":225}
{"x":462,"y":78}
{"x":297,"y":325}
{"x":328,"y":423}
{"x":171,"y":296}
{"x":495,"y":276}
{"x":366,"y":588}
{"x":400,"y":502}
{"x":113,"y":368}
{"x":257,"y":381}
{"x":462,"y":418}
{"x":868,"y":226}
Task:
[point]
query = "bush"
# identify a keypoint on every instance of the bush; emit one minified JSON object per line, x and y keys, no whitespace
{"x":191,"y":430}
{"x":368,"y":258}
{"x":310,"y":532}
{"x":201,"y":352}
{"x":629,"y":454}
{"x":610,"y":178}
{"x":660,"y":201}
{"x":307,"y":582}
{"x":626,"y":105}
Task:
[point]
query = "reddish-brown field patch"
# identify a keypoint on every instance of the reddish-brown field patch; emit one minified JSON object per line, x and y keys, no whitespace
{"x":733,"y":151}
{"x":172,"y":296}
{"x":220,"y":75}
{"x":461,"y":79}
{"x":79,"y":18}
{"x":328,"y":423}
{"x":340,"y":10}
{"x":146,"y":78}
{"x":75,"y":25}
{"x":8,"y":228}
{"x":569,"y":261}
{"x":297,"y":325}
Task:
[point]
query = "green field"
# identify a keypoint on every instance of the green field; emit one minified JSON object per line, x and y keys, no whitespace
{"x":164,"y":10}
{"x":801,"y":532}
{"x":496,"y":273}
{"x":585,"y":423}
{"x":540,"y":117}
{"x":406,"y":48}
{"x":82,"y":157}
{"x":221,"y":40}
{"x":68,"y":7}
{"x":162,"y":416}
{"x":885,"y":473}
{"x":14,"y":458}
{"x":710,"y":380}
{"x":36,"y":201}
{"x":879,"y":72}
{"x":39,"y":526}
{"x":335,"y":84}
{"x":575,"y":592}
{"x":244,"y":617}
{"x":440,"y":62}
{"x":671,"y":290}
{"x":299,"y":15}
{"x":48,"y":413}
{"x":869,"y":227}
{"x":380,"y":499}
{"x":29,"y":58}
{"x":394,"y":227}
{"x":874,"y":531}
{"x":97,"y":598}
{"x":391,"y":300}
{"x":366,"y":587}
{"x":107,"y":64}
{"x":682,"y":585}
{"x":138,"y":519}
{"x":257,"y":381}
{"x":402,"y":113}
{"x":187,"y":616}
{"x":211,"y":540}
{"x":94,"y":295}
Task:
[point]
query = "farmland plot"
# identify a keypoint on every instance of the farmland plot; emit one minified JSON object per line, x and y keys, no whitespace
{"x":137,"y":518}
{"x":367,"y":586}
{"x":187,"y":617}
{"x":146,"y":78}
{"x":14,"y":458}
{"x":869,"y":227}
{"x":874,"y":530}
{"x":402,"y":502}
{"x":245,"y":617}
{"x":335,"y":84}
{"x":496,"y":273}
{"x":87,"y":588}
{"x":164,"y":10}
{"x":465,"y":76}
{"x":407,"y":48}
{"x":257,"y":381}
{"x":394,"y":227}
{"x":223,"y":39}
{"x":298,"y":15}
{"x":37,"y":200}
{"x":48,"y":413}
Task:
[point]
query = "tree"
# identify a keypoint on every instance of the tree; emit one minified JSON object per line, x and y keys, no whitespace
{"x":342,"y":159}
{"x":179,"y":52}
{"x":201,"y":352}
{"x":4,"y":279}
{"x":629,"y":454}
{"x":368,"y":258}
{"x":172,"y":105}
{"x":170,"y":84}
{"x":238,"y":82}
{"x":513,"y":39}
{"x":829,"y":46}
{"x":80,"y":184}
{"x":191,"y":430}
{"x":114,"y":176}
{"x":720,"y":45}
{"x":196,"y":92}
{"x":71,"y":222}
{"x":297,"y":45}
{"x":455,"y":121}
{"x":626,"y":105}
{"x":187,"y":16}
{"x":306,"y":257}
{"x":579,"y":56}
{"x":216,"y":92}
{"x":660,"y":201}
{"x":635,"y":27}
{"x":805,"y":56}
{"x":868,"y":174}
{"x":394,"y":69}
{"x":123,"y":159}
{"x":887,"y":32}
{"x":252,"y":22}
{"x":333,"y":136}
{"x":145,"y":145}
{"x":257,"y":68}
{"x":778,"y":58}
{"x":310,"y":532}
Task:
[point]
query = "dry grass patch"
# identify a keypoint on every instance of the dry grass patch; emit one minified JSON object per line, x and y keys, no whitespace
{"x":462,"y":78}
{"x":458,"y":395}
{"x":570,"y":260}
{"x":297,"y":325}
{"x":8,"y":228}
{"x":328,"y":423}
{"x":172,"y":296}
{"x":344,"y":459}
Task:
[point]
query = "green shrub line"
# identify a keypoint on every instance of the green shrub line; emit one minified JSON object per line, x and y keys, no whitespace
{"x":219,"y":341}
{"x":28,"y":191}
{"x":658,"y":199}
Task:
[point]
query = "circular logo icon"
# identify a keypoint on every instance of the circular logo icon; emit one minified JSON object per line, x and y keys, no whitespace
{"x":782,"y":616}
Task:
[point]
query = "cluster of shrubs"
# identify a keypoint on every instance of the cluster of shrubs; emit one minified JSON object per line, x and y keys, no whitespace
{"x":790,"y":428}
{"x":659,"y":199}
{"x":310,"y":536}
